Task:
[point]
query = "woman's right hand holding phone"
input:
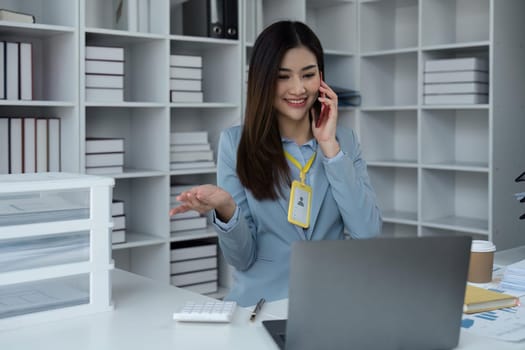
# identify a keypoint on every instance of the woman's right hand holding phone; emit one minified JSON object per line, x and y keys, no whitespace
{"x":324,"y":125}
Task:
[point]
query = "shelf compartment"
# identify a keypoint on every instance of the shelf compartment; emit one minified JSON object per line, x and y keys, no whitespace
{"x":389,"y":25}
{"x":456,"y":200}
{"x":145,"y":65}
{"x":398,"y":230}
{"x":137,"y":239}
{"x":212,"y":120}
{"x":102,"y":14}
{"x":133,"y":125}
{"x":53,"y":12}
{"x":396,"y":190}
{"x":334,"y":23}
{"x":455,"y":21}
{"x":455,"y":138}
{"x":389,"y":136}
{"x":54,"y":63}
{"x":150,"y":220}
{"x":251,"y":21}
{"x":260,"y":14}
{"x":432,"y":231}
{"x":151,"y":261}
{"x":480,"y":52}
{"x":389,"y":80}
{"x":220,"y":64}
{"x":340,"y":71}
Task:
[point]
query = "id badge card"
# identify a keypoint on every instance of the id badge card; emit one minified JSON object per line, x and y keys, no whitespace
{"x":300,"y":203}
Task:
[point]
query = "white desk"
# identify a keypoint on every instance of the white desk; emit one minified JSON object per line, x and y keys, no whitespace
{"x":142,"y":319}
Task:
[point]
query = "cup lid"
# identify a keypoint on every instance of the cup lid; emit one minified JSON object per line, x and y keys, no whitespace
{"x":482,"y":246}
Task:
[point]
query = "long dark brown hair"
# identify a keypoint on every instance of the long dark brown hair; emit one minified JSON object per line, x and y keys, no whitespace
{"x":261,"y":164}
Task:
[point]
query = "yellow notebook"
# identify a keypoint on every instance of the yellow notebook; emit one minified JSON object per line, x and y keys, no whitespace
{"x":480,"y":299}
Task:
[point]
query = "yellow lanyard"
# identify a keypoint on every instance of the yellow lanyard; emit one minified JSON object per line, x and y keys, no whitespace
{"x":302,"y":170}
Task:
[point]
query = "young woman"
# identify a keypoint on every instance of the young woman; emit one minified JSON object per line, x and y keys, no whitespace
{"x":284,"y":175}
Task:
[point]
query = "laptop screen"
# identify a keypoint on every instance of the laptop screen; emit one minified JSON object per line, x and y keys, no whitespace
{"x":383,"y":293}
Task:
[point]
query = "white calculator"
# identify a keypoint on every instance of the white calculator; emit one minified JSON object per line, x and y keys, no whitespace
{"x":211,"y":311}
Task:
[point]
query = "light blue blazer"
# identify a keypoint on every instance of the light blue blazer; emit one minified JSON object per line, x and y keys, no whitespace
{"x":258,"y":245}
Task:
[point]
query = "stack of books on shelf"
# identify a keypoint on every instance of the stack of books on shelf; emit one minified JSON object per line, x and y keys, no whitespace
{"x":104,"y":155}
{"x":190,"y":150}
{"x":194,"y":265}
{"x":104,"y":74}
{"x":16,"y":71}
{"x":118,"y":235}
{"x":186,"y":78}
{"x":190,"y":220}
{"x":15,"y":16}
{"x":29,"y":145}
{"x":514,"y":276}
{"x":456,"y":81}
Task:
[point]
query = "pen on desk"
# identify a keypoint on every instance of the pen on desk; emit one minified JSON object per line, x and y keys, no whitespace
{"x":256,"y":309}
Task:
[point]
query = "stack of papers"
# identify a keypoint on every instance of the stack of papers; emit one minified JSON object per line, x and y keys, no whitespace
{"x":514,"y":276}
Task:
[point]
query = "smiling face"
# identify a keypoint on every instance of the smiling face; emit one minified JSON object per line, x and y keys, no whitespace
{"x":297,"y":86}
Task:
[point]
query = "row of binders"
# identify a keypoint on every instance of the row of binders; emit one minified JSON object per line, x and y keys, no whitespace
{"x":456,"y":81}
{"x":190,"y":150}
{"x":29,"y":144}
{"x":104,"y":155}
{"x":194,"y":265}
{"x":16,"y":70}
{"x":104,"y":74}
{"x":211,"y":18}
{"x":186,"y":78}
{"x":190,"y":220}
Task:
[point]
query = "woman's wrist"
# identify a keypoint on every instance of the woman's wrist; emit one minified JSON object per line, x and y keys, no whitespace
{"x":330,"y":148}
{"x":225,"y":212}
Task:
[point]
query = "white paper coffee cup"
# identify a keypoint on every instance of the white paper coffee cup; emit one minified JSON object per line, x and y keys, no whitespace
{"x":481,"y":261}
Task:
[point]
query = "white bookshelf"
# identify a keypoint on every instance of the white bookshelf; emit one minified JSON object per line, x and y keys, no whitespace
{"x":448,"y":166}
{"x":437,"y":169}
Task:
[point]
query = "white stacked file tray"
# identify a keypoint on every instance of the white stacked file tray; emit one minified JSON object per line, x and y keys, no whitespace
{"x":456,"y":81}
{"x":55,"y":247}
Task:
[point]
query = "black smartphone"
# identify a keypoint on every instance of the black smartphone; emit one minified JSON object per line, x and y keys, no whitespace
{"x":321,"y":110}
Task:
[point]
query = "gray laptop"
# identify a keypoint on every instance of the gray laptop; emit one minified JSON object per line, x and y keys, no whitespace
{"x":382,"y":293}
